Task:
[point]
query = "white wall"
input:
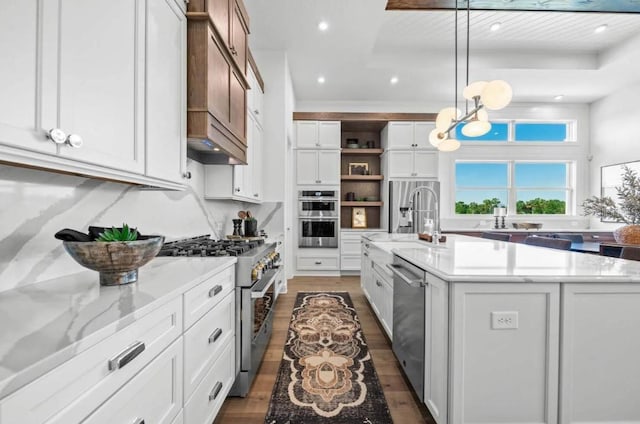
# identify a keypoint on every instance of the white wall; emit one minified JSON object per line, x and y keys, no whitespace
{"x":615,"y":125}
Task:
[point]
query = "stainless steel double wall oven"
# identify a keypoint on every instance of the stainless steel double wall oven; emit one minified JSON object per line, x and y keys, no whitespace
{"x":318,"y":215}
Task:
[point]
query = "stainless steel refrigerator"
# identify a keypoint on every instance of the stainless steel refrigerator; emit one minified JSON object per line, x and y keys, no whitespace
{"x":401,"y":218}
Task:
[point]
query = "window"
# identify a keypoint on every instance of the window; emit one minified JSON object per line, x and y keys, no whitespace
{"x":523,"y":132}
{"x":524,"y":187}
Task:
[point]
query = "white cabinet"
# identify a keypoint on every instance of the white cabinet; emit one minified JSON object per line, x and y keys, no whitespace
{"x":317,"y":134}
{"x":239,"y":182}
{"x":153,"y":396}
{"x":411,"y":163}
{"x":165,"y":91}
{"x":436,"y":347}
{"x":20,"y":118}
{"x":118,"y":89}
{"x":255,"y":97}
{"x":93,"y":80}
{"x":318,"y":167}
{"x":407,"y":135}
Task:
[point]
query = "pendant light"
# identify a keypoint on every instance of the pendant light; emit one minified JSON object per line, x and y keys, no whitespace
{"x":492,"y":95}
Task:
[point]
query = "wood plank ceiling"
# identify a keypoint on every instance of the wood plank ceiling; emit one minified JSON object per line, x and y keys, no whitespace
{"x":620,"y":6}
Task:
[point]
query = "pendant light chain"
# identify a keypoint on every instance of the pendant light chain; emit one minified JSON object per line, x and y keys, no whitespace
{"x":455,"y":82}
{"x":466,"y":102}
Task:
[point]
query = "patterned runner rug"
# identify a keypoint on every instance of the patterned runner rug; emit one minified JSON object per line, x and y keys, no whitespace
{"x":326,"y":374}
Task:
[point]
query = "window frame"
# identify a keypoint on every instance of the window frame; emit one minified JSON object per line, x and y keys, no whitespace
{"x":572,"y":133}
{"x":569,"y":188}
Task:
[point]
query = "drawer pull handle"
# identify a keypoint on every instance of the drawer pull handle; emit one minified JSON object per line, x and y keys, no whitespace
{"x":216,"y":390}
{"x":126,"y":356}
{"x":139,"y":421}
{"x":365,"y":254}
{"x":215,"y":290}
{"x":215,"y":335}
{"x":318,"y":262}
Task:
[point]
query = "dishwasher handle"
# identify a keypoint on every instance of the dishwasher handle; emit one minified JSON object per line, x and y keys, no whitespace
{"x":413,"y":282}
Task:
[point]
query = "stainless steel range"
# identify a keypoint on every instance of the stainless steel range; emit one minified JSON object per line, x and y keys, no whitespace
{"x":258,"y":275}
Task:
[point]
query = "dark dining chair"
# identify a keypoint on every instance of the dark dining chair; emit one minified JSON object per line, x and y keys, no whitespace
{"x":496,"y":236}
{"x":630,"y":253}
{"x":553,"y":243}
{"x":575,"y":238}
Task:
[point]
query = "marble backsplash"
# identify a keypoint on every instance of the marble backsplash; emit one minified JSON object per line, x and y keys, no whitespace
{"x":35,"y":204}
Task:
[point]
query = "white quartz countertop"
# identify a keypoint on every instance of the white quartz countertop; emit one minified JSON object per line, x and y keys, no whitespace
{"x":48,"y":323}
{"x":474,"y":259}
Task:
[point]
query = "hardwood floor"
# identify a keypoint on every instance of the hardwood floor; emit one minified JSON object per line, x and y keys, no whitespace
{"x":404,"y":406}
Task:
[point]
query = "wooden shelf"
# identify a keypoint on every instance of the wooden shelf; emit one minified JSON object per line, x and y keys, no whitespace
{"x":359,"y":203}
{"x":362,"y":151}
{"x":362,"y":177}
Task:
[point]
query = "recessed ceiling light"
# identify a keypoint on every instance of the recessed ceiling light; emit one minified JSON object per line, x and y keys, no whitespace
{"x":216,"y":149}
{"x":323,"y":25}
{"x":496,"y":26}
{"x":558,"y":97}
{"x":601,"y":28}
{"x":394,"y":80}
{"x":321,"y":80}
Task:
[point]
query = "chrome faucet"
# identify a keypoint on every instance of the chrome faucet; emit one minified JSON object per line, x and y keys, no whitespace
{"x":436,"y":214}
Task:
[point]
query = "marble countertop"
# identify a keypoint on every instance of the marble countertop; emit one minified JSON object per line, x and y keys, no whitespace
{"x":48,"y":323}
{"x":474,"y":259}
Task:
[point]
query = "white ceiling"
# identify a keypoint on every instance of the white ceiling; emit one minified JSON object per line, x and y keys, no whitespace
{"x":542,"y":54}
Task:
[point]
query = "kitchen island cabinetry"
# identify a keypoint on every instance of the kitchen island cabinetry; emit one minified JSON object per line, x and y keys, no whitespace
{"x":516,"y":335}
{"x":148,"y":357}
{"x":98,"y":89}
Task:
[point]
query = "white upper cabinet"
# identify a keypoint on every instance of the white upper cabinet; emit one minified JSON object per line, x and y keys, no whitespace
{"x":96,"y":88}
{"x":318,"y":167}
{"x":166,"y":91}
{"x":318,"y":134}
{"x":255,"y":97}
{"x":110,"y":76}
{"x":411,"y":163}
{"x":20,"y":117}
{"x":407,"y":135}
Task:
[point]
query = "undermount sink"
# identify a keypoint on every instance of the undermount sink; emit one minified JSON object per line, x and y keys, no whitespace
{"x":388,"y":245}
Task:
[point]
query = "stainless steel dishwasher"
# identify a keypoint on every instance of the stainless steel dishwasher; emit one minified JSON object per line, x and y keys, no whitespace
{"x":408,"y":320}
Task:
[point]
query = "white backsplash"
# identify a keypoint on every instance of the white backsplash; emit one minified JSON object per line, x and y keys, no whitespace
{"x":34,"y":205}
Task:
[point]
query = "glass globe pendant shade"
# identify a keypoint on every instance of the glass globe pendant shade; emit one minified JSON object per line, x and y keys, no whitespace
{"x":482,"y":115}
{"x":449,"y":145}
{"x":446,"y":116}
{"x":476,"y":128}
{"x":436,"y":137}
{"x":496,"y":95}
{"x":474,"y":89}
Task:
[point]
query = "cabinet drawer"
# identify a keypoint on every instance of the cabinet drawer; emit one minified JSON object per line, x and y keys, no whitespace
{"x":212,"y":390}
{"x":318,"y":263}
{"x":207,"y":294}
{"x":70,"y":392}
{"x":206,"y":339}
{"x":350,"y":263}
{"x":350,"y":247}
{"x":154,"y":395}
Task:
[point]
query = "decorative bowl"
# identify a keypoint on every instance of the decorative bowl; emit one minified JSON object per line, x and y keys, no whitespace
{"x":527,"y":225}
{"x":352,"y":146}
{"x":117,"y":261}
{"x":627,"y":234}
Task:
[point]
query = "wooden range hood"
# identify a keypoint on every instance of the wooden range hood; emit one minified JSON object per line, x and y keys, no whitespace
{"x":597,"y":6}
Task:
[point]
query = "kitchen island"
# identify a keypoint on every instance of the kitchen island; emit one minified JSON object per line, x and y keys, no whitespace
{"x":524,"y":334}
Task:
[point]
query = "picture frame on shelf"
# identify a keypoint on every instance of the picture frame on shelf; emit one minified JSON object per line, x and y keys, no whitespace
{"x":358,"y":168}
{"x":358,"y":218}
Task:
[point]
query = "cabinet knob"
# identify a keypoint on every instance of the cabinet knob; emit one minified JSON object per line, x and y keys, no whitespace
{"x":255,"y":195}
{"x":187,"y":175}
{"x":75,"y":141}
{"x":237,"y":189}
{"x":257,"y":112}
{"x":57,"y":135}
{"x":378,"y":283}
{"x":317,"y":144}
{"x":139,"y":421}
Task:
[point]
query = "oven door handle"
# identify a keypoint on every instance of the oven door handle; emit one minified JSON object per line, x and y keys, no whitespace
{"x":262,"y":286}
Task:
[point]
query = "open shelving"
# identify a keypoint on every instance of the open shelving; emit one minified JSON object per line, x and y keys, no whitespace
{"x":364,"y":186}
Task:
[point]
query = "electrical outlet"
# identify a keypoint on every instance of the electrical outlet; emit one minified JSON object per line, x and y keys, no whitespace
{"x":504,"y":320}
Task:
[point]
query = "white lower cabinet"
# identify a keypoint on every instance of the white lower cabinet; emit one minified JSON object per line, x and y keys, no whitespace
{"x":70,"y":392}
{"x":153,"y":396}
{"x":209,"y":395}
{"x":377,"y":284}
{"x":317,"y":262}
{"x":436,"y":367}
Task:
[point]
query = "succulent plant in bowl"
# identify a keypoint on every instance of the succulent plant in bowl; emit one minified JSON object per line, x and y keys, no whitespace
{"x":116,"y":254}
